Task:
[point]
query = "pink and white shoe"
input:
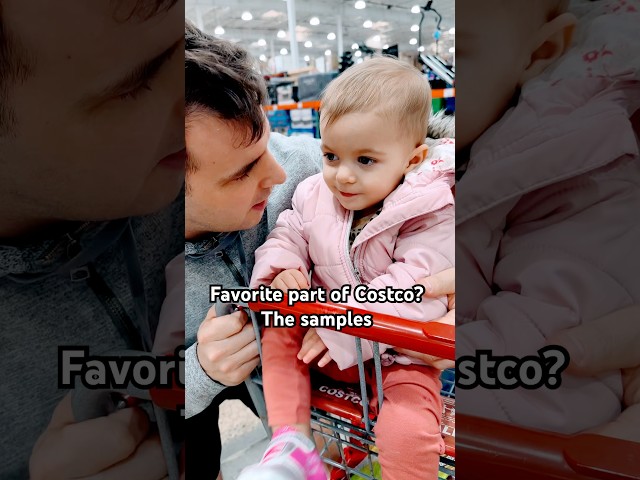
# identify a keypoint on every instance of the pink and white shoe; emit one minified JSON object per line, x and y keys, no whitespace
{"x":290,"y":455}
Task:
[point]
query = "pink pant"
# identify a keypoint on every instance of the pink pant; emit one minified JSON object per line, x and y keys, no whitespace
{"x":408,"y":426}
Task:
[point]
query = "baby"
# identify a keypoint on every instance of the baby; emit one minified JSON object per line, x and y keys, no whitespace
{"x":376,"y":216}
{"x":546,"y":210}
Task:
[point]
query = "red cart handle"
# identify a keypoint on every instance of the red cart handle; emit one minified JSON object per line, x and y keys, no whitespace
{"x":432,"y":338}
{"x":510,"y":452}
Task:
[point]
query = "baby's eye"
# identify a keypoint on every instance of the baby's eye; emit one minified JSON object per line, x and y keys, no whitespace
{"x":366,"y":160}
{"x":330,"y":157}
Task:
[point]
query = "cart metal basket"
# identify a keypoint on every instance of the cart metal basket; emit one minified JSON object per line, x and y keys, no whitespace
{"x":340,"y":413}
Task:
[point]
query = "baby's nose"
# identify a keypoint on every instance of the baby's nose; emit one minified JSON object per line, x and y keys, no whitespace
{"x":345,"y":175}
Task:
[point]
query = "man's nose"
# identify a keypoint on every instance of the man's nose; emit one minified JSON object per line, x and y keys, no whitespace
{"x":274,"y":174}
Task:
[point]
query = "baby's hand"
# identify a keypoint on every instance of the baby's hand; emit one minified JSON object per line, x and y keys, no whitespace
{"x":290,"y":279}
{"x":312,"y":346}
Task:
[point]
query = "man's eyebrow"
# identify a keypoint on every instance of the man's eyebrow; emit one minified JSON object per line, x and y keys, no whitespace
{"x":138,"y":76}
{"x":141,"y":10}
{"x":242,"y":171}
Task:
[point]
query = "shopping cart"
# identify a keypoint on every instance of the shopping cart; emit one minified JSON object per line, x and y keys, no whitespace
{"x":340,"y":413}
{"x":511,"y":452}
{"x":485,"y":448}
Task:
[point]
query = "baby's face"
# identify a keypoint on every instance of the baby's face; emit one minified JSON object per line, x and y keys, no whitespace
{"x":365,"y":158}
{"x":493,"y":50}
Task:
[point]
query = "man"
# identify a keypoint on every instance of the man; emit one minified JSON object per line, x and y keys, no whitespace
{"x":235,"y":191}
{"x":91,"y":135}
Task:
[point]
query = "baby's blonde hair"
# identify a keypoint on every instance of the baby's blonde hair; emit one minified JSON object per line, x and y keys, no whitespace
{"x":386,"y":86}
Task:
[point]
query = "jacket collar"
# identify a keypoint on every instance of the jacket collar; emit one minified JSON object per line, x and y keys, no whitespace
{"x":200,"y":247}
{"x":420,"y":193}
{"x":211,"y":244}
{"x":49,"y":253}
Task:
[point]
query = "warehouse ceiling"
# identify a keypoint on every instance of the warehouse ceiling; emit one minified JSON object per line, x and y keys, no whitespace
{"x":390,"y":23}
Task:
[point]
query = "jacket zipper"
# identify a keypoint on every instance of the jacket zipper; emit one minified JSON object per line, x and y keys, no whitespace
{"x":354,"y":270}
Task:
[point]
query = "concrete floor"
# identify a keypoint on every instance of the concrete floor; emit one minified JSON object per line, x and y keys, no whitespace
{"x":244,"y":439}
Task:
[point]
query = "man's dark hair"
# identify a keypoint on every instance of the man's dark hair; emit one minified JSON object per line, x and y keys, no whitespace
{"x":220,"y":80}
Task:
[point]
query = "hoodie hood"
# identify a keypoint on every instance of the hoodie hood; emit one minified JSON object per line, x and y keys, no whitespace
{"x":60,"y":253}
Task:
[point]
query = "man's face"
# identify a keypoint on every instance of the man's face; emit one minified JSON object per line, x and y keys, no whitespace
{"x":229,"y":189}
{"x":365,"y":159}
{"x":93,"y":139}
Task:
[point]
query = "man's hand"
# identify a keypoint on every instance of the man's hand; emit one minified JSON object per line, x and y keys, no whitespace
{"x":443,"y":283}
{"x":609,"y":343}
{"x":312,"y":346}
{"x":112,"y":447}
{"x":291,"y":278}
{"x":227,"y":347}
{"x":433,"y":361}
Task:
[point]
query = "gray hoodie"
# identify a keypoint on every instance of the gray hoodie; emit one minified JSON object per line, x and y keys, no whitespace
{"x":217,"y":259}
{"x":48,"y":302}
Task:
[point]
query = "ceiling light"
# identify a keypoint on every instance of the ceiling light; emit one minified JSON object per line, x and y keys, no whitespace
{"x":355,"y":46}
{"x":386,"y":45}
{"x":367,"y":24}
{"x":246,"y":16}
{"x":308,"y":44}
{"x":452,"y":50}
{"x":283,"y":51}
{"x":314,"y":21}
{"x":421,"y":48}
{"x":360,"y":4}
{"x":358,"y":53}
{"x":327,"y":52}
{"x":281,"y":34}
{"x":219,"y":30}
{"x":263,"y":57}
{"x":331,"y":36}
{"x":413,"y":41}
{"x":262,"y":42}
{"x":452,"y":31}
{"x":415,"y":9}
{"x":307,"y":58}
{"x":415,"y":28}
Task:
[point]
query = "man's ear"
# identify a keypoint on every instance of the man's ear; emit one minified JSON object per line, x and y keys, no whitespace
{"x":550,"y":42}
{"x":417,"y":157}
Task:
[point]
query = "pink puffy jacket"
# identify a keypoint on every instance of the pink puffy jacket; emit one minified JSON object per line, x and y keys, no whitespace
{"x":547,"y":221}
{"x":411,"y":238}
{"x":548,"y":236}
